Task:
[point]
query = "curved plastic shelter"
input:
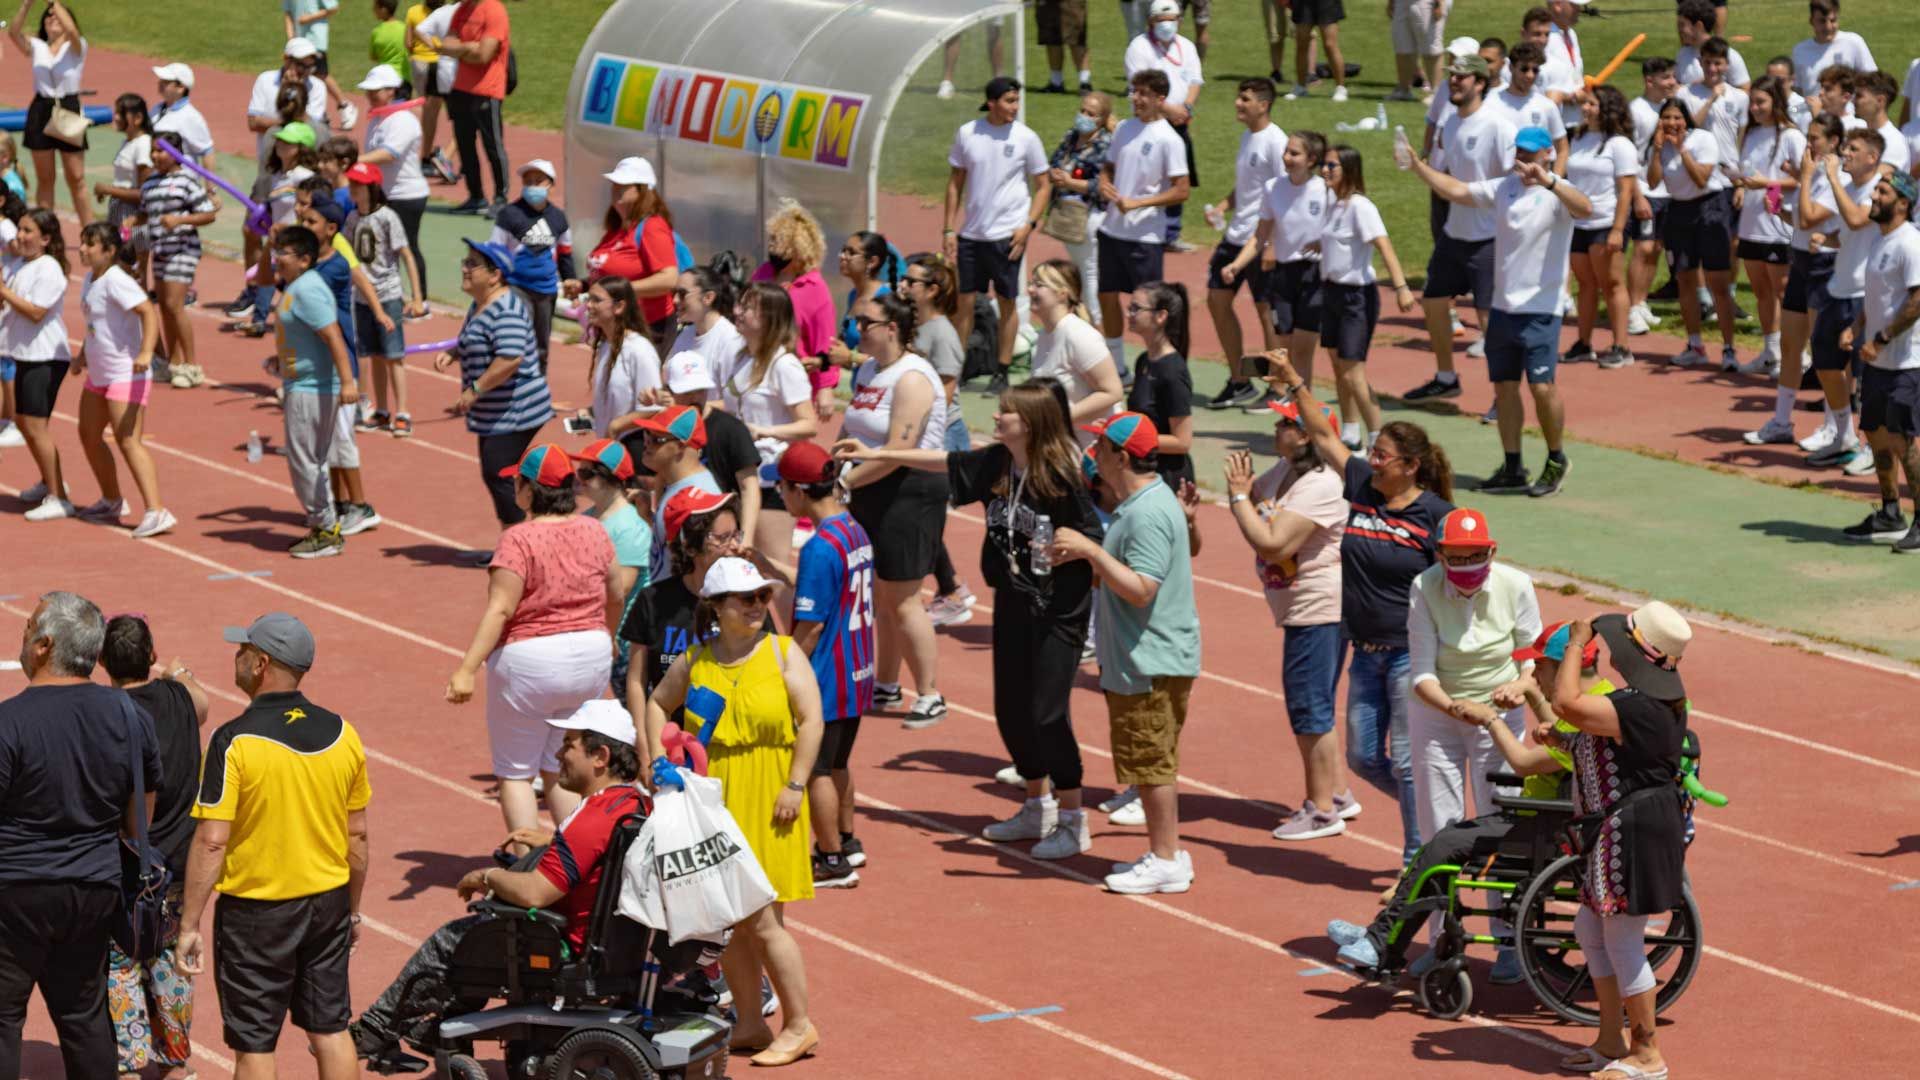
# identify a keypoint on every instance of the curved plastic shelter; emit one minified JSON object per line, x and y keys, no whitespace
{"x":740,"y":102}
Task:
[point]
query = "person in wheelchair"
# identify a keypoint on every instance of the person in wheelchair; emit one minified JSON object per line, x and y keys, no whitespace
{"x":598,"y":764}
{"x":1381,"y":945}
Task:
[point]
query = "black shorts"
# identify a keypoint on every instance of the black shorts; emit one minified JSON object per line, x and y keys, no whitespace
{"x":1125,"y":265}
{"x":1257,"y":280}
{"x":905,"y":513}
{"x":1061,"y":22}
{"x":1649,"y":228}
{"x":1762,"y":252}
{"x":1193,"y":161}
{"x":1834,"y":316}
{"x":320,"y":65}
{"x":39,"y":113}
{"x":836,"y":745}
{"x":1699,"y":233}
{"x":1317,"y":12}
{"x":1348,"y":314}
{"x":36,"y":383}
{"x":1461,"y":268}
{"x":1890,"y":401}
{"x":1585,"y":240}
{"x":1520,"y":344}
{"x":272,"y":957}
{"x":986,"y":263}
{"x":1807,"y":275}
{"x":1436,"y":217}
{"x":1293,"y":291}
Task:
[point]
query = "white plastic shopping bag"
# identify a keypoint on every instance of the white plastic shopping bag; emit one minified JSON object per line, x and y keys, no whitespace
{"x":689,"y":872}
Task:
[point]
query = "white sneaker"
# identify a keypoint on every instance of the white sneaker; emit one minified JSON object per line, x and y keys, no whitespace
{"x":1773,"y":431}
{"x":1035,"y":819}
{"x":348,"y":115}
{"x":945,"y":92}
{"x":1011,"y":776}
{"x":1478,"y":349}
{"x":946,"y":612}
{"x":1822,"y":437}
{"x":11,"y":436}
{"x":1858,"y":463}
{"x":1339,"y":94}
{"x":1454,"y":325}
{"x":108,"y":509}
{"x":1689,"y":357}
{"x":1646,"y":313}
{"x":1765,"y":364}
{"x":1297,"y":92}
{"x":1637,"y":321}
{"x":51,"y":509}
{"x":154,"y":523}
{"x":1070,"y":837}
{"x":1119,"y":799}
{"x":1152,"y":875}
{"x":1310,"y":823}
{"x":1134,"y":813}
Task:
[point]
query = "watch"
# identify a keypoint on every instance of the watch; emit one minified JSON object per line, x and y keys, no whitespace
{"x":1881,"y":340}
{"x":793,"y":785}
{"x":1240,"y":498}
{"x":1553,"y":180}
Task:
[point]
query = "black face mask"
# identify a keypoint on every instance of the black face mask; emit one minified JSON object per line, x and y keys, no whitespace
{"x":777,"y":261}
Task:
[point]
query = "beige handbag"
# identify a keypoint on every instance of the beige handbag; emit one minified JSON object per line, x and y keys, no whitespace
{"x":1067,"y":221}
{"x":68,"y":126}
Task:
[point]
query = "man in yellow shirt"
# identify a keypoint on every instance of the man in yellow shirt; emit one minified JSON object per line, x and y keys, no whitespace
{"x":283,"y":838}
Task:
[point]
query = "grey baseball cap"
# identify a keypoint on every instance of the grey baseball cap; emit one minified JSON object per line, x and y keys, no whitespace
{"x":280,"y":636}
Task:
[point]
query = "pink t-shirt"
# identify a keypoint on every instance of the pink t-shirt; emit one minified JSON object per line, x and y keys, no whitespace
{"x":564,"y":565}
{"x":813,"y":320}
{"x":1304,"y":589}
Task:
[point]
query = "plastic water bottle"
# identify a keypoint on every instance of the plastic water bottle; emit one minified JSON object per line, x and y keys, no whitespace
{"x":1040,"y":549}
{"x":255,"y":448}
{"x":1402,"y":148}
{"x":1380,"y":115}
{"x":1215,"y":218}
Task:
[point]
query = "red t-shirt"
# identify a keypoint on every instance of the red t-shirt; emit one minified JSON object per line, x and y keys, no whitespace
{"x":577,"y":857}
{"x":473,"y":20}
{"x":563,"y":563}
{"x":618,"y":255}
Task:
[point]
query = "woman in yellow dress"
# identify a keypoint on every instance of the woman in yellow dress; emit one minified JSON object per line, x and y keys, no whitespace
{"x":757,"y":690}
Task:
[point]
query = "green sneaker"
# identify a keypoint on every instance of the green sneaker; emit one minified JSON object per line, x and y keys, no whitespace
{"x":1551,"y":477}
{"x":319,"y":544}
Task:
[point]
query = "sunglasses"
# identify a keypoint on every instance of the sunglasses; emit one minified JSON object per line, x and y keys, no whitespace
{"x":472,"y":264}
{"x":865,"y":323}
{"x":655,"y":439}
{"x":760,"y":598}
{"x":1329,"y":166}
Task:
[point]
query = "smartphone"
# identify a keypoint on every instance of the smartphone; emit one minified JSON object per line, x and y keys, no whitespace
{"x":577,"y":425}
{"x":1260,"y":366}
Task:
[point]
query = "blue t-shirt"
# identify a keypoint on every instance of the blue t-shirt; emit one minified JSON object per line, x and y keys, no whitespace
{"x":503,"y":328}
{"x":66,"y":776}
{"x":835,"y":588}
{"x":306,"y":308}
{"x":339,"y":277}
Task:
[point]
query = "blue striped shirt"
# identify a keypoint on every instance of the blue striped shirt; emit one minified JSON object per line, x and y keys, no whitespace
{"x":503,"y":328}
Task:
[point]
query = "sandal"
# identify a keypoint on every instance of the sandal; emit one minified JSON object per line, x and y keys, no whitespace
{"x":1588,"y":1060}
{"x":1629,"y":1071}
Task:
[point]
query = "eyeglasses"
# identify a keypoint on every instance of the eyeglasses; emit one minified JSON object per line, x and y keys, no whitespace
{"x":1377,"y":456}
{"x":1137,"y":309}
{"x":652,"y":438}
{"x":1472,"y":558}
{"x":724,"y":539}
{"x":1329,"y":166}
{"x":863,"y":323}
{"x":681,"y":294}
{"x":472,"y":264}
{"x":911,"y":280}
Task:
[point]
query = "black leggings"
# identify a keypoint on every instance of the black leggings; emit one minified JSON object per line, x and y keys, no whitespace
{"x":498,"y":452}
{"x":944,"y":577}
{"x":1452,"y":846}
{"x":411,"y":211}
{"x":540,"y":306}
{"x":476,"y":122}
{"x":1035,"y":660}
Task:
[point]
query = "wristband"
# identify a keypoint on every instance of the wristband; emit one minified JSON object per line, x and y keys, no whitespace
{"x":1296,"y":388}
{"x":793,"y":785}
{"x":1240,"y":498}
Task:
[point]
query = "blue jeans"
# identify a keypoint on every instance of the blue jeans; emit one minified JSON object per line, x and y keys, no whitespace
{"x":1309,"y":674}
{"x":957,"y":437}
{"x":1377,"y":747}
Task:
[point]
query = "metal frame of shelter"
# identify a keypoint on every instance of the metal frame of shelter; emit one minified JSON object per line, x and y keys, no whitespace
{"x":713,"y":92}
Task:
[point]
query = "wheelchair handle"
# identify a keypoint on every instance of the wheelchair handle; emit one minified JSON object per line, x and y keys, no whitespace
{"x":1505,"y":779}
{"x":1546,"y":806}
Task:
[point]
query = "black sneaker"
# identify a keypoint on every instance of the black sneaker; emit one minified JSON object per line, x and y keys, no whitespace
{"x":1668,"y":291}
{"x":493,"y":208}
{"x":1506,"y":481}
{"x":1433,"y":390}
{"x":833,"y":872}
{"x":1054,"y":88}
{"x":853,"y":849}
{"x":1881,"y":525}
{"x":1615,"y":358}
{"x":240,"y":308}
{"x":1581,"y":351}
{"x":1909,"y":542}
{"x":1257,"y":404}
{"x":885,"y":697}
{"x":471,"y":206}
{"x":1228,"y":391}
{"x":1552,"y":475}
{"x":996,"y":385}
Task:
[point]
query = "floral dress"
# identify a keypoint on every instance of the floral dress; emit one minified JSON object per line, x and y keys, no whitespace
{"x":1635,"y":861}
{"x":1082,"y":162}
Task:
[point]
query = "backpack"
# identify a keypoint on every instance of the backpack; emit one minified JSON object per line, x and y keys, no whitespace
{"x":513,"y":71}
{"x":983,"y":342}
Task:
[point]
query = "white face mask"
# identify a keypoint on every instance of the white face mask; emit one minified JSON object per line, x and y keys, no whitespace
{"x":1165,"y":31}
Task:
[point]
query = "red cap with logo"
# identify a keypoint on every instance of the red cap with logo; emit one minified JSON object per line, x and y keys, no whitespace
{"x":1464,"y":528}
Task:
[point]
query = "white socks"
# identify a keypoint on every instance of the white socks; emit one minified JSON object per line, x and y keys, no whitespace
{"x":1783,"y":404}
{"x":1086,"y":76}
{"x":1118,"y":347}
{"x":1350,"y":433}
{"x":1843,"y":423}
{"x":1773,"y":343}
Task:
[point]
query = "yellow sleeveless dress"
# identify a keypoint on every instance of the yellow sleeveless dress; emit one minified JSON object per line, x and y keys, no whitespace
{"x":751,"y":754}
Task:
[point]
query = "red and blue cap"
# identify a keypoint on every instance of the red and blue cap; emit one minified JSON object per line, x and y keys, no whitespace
{"x":681,"y":422}
{"x":1290,"y":410}
{"x":1130,"y":431}
{"x":545,"y":464}
{"x":610,"y":453}
{"x":1552,"y":645}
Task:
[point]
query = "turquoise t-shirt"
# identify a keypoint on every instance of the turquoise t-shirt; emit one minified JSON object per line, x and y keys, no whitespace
{"x":316,"y":32}
{"x":306,"y":308}
{"x":1149,"y":535}
{"x":632,"y":540}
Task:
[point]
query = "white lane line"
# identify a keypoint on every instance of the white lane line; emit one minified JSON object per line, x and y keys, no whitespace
{"x":1820,"y":987}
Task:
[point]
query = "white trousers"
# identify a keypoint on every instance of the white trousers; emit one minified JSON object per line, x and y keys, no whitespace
{"x":1448,"y":758}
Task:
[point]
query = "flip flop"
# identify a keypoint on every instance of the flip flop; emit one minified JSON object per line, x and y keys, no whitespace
{"x":1629,"y":1071}
{"x":1588,"y":1060}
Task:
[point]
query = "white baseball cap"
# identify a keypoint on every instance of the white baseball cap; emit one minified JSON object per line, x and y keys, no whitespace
{"x":688,"y":371}
{"x":176,"y":72}
{"x":381,"y":77}
{"x":633,"y":170}
{"x":602,"y":716}
{"x":299,"y":49}
{"x":542,"y":166}
{"x":1163,"y":7}
{"x":732,"y":575}
{"x":1463,"y":46}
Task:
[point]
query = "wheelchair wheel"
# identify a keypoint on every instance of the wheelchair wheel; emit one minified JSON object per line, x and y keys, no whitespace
{"x":462,"y":1067}
{"x":599,"y":1054}
{"x":1550,"y":956}
{"x":1446,"y":992}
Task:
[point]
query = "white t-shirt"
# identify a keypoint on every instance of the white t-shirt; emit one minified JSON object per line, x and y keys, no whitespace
{"x":1911,"y":133}
{"x":998,"y":160}
{"x":398,"y":133}
{"x":43,"y":284}
{"x":1346,"y":246}
{"x":1479,"y":147}
{"x":1725,"y":117}
{"x":1303,"y":589}
{"x":1146,"y":159}
{"x":1910,"y":87}
{"x":721,"y":346}
{"x":1070,"y":353}
{"x":1646,"y":120}
{"x":769,"y":402}
{"x":134,"y":154}
{"x":1179,"y":59}
{"x":57,"y":73}
{"x":1533,"y":233}
{"x":1849,"y":281}
{"x":266,"y":89}
{"x":1564,"y":71}
{"x":1687,"y":69}
{"x":1768,"y":152}
{"x":1820,"y":193}
{"x":1810,"y":58}
{"x":1706,"y":151}
{"x":1897,"y":153}
{"x":114,"y":332}
{"x":1299,"y":215}
{"x":870,"y":414}
{"x":184,"y":127}
{"x":1534,"y":110}
{"x":1256,"y":164}
{"x":283,"y":200}
{"x":616,"y":391}
{"x":1799,"y":111}
{"x":1896,"y":271}
{"x":1595,"y":163}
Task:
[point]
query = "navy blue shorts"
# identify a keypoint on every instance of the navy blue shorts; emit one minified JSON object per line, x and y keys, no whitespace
{"x":1518,"y":344}
{"x":1256,"y":279}
{"x":1293,"y":290}
{"x":1348,"y":314}
{"x":1309,"y":671}
{"x":988,"y":263}
{"x":1125,"y":265}
{"x":1834,"y":316}
{"x":1461,"y":268}
{"x":1649,"y":228}
{"x":1890,"y":401}
{"x":1807,"y":275}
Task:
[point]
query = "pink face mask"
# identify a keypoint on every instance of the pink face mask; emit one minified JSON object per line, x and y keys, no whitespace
{"x":1469,"y":579}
